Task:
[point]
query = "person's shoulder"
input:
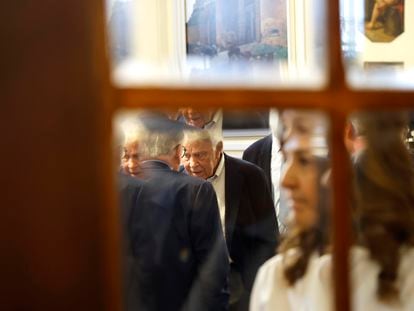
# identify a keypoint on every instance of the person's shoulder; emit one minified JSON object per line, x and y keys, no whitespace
{"x":323,"y":266}
{"x":244,"y":167}
{"x":126,"y":181}
{"x":273,"y":263}
{"x":257,"y":145}
{"x":272,"y":269}
{"x":182,"y":177}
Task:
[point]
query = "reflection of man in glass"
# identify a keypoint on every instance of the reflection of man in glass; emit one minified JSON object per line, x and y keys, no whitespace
{"x":378,"y":10}
{"x":210,"y":119}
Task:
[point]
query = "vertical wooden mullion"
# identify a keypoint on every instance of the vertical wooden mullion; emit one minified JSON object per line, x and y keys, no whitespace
{"x":340,"y":171}
{"x":341,"y":230}
{"x":336,"y":73}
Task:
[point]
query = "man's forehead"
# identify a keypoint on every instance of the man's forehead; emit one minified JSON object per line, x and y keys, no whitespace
{"x":198,"y":144}
{"x":131,"y":145}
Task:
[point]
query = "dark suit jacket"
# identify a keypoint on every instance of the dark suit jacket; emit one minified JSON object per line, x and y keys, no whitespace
{"x":128,"y":188}
{"x":260,"y":153}
{"x":250,"y":221}
{"x":181,"y":260}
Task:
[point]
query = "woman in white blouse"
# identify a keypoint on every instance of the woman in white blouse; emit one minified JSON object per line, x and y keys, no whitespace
{"x":382,"y":263}
{"x":284,"y":281}
{"x":382,"y":259}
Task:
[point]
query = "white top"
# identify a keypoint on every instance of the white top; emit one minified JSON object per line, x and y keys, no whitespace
{"x":275,"y":172}
{"x":217,"y":180}
{"x":364,"y":282}
{"x":271,"y":290}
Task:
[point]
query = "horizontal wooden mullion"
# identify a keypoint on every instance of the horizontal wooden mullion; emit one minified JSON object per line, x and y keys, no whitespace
{"x":229,"y":98}
{"x":245,"y":98}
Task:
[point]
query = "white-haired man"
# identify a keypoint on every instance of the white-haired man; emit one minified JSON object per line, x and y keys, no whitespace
{"x":246,"y":209}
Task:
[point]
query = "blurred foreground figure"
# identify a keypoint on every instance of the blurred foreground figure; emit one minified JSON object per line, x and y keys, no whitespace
{"x":180,"y":256}
{"x":246,"y":209}
{"x":382,"y":259}
{"x":286,"y":282}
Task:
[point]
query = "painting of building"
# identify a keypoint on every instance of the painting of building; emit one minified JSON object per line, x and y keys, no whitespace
{"x":253,"y":28}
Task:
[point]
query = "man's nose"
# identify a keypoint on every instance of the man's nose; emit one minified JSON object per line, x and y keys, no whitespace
{"x":193,"y":162}
{"x":132,"y":163}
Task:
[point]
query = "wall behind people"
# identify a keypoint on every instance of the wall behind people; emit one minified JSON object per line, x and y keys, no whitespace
{"x":397,"y":50}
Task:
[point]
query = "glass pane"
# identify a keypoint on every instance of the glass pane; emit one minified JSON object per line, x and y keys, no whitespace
{"x":197,"y":212}
{"x":274,"y":43}
{"x":382,"y":209}
{"x":376,"y":43}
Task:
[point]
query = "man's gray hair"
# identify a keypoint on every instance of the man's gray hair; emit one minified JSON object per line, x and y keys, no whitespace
{"x":193,"y":135}
{"x":153,"y":143}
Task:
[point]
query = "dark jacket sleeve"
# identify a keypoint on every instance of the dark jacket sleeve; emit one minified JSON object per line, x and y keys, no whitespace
{"x":129,"y":190}
{"x":210,"y":289}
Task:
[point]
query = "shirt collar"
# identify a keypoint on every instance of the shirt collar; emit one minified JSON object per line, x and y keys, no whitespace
{"x":275,"y":142}
{"x":154,"y":164}
{"x":219,"y":169}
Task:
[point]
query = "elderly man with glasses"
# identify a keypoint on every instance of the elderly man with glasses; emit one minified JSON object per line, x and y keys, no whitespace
{"x":245,"y":204}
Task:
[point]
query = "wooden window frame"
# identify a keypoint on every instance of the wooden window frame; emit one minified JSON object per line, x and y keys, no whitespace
{"x":337,"y":100}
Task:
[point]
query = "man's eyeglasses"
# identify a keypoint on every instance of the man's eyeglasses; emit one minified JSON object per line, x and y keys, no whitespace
{"x":183,"y":152}
{"x":197,"y":156}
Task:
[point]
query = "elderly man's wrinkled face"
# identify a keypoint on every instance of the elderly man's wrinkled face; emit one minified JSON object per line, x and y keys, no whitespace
{"x":129,"y":160}
{"x":197,"y":118}
{"x":200,"y":159}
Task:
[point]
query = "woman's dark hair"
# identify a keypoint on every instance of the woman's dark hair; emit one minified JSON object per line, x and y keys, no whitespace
{"x":384,"y":196}
{"x":306,"y":242}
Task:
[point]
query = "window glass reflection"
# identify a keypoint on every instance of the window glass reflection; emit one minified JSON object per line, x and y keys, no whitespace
{"x":275,"y":43}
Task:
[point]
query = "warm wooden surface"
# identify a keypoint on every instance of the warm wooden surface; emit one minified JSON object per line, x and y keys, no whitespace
{"x":242,"y":98}
{"x":58,"y":222}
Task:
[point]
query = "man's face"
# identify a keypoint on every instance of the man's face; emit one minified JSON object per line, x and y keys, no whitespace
{"x":197,"y":118}
{"x":129,"y":160}
{"x":200,"y":159}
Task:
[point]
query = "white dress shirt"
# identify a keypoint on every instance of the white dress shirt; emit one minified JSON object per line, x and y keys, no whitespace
{"x":218,"y":181}
{"x":276,"y":162}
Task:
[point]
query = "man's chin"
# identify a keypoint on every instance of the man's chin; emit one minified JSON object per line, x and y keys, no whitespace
{"x":199,"y":175}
